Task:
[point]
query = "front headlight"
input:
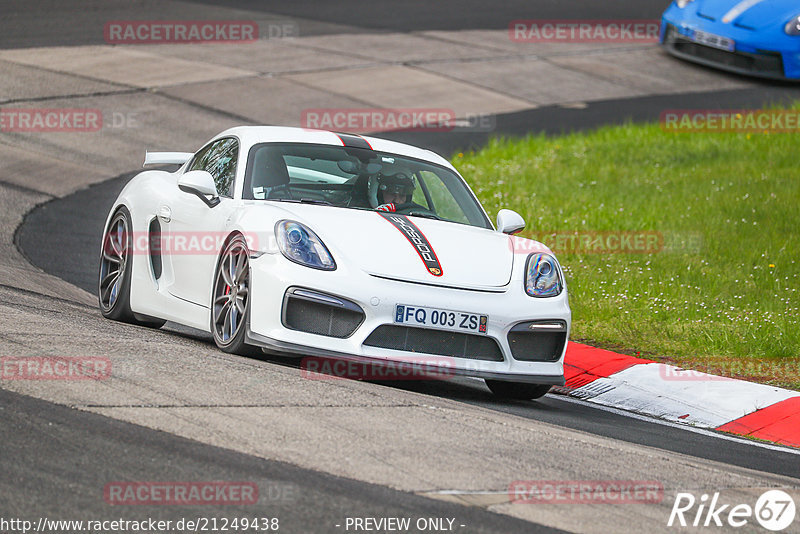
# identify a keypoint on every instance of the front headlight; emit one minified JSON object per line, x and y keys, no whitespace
{"x":682,"y":3}
{"x":793,"y":26}
{"x":300,"y":245}
{"x":542,"y":276}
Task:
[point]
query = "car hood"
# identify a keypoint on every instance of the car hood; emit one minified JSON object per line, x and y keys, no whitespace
{"x":467,"y":256}
{"x":755,"y":14}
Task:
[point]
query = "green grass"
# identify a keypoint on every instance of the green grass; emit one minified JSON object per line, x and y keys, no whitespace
{"x":722,"y":295}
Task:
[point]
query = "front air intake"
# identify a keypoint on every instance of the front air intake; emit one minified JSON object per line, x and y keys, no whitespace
{"x":439,"y":342}
{"x":537,"y":341}
{"x":309,"y":311}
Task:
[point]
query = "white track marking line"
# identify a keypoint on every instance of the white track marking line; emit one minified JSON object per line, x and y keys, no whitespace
{"x":701,"y":431}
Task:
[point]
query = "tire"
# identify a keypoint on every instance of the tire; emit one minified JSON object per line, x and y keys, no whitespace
{"x":230,"y":299}
{"x":517,"y":390}
{"x":114,"y":280}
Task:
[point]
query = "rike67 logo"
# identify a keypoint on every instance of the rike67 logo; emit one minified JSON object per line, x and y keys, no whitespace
{"x":774,"y":510}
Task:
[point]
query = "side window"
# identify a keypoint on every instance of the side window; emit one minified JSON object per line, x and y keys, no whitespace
{"x":419,"y":197}
{"x":219,"y":159}
{"x":443,"y":200}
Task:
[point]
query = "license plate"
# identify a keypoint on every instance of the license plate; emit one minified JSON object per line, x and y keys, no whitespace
{"x":714,"y":41}
{"x":456,"y":321}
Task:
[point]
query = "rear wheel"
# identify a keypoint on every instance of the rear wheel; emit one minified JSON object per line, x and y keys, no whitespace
{"x":114,"y":284}
{"x":517,"y":390}
{"x":230,"y":303}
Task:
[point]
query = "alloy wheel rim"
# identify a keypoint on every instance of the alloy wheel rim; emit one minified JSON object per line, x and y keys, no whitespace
{"x":231,"y":291}
{"x":113,"y":262}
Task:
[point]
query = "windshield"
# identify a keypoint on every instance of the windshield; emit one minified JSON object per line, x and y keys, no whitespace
{"x":359,"y":178}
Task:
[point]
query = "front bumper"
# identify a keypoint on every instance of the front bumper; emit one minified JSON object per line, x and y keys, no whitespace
{"x":765,"y":54}
{"x":272,"y":276}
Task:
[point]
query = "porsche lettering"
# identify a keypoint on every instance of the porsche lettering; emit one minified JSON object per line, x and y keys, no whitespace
{"x":416,"y":238}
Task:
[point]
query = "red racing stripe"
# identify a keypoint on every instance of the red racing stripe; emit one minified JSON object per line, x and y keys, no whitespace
{"x":353,"y":140}
{"x":417,"y":239}
{"x":779,"y":423}
{"x":584,"y":364}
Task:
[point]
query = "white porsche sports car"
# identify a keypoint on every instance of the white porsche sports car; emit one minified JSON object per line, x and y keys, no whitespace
{"x":309,"y":242}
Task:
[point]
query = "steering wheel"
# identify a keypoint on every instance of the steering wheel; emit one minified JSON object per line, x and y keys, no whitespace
{"x":281,"y":186}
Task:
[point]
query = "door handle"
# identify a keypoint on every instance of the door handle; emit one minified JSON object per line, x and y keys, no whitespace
{"x":164,"y":213}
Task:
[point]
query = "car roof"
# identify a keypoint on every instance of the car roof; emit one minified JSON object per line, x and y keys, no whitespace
{"x":251,"y":135}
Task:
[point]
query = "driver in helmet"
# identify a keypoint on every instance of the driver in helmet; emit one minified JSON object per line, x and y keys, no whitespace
{"x":395,"y":191}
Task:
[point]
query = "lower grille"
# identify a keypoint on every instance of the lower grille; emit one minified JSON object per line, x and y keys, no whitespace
{"x":439,"y":342}
{"x":769,"y":64}
{"x":320,"y":314}
{"x":537,"y":341}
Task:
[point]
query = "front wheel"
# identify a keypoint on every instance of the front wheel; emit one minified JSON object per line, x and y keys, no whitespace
{"x":517,"y":390}
{"x":116,"y":266}
{"x":230,"y":303}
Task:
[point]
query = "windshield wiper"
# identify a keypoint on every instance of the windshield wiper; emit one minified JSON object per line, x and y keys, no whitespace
{"x":315,"y":201}
{"x":302,"y":201}
{"x":425,"y":215}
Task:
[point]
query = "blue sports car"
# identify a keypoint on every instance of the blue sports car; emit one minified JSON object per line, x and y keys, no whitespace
{"x":755,"y":37}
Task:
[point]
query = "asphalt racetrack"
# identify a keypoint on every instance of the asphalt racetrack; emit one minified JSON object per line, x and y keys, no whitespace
{"x":63,"y":224}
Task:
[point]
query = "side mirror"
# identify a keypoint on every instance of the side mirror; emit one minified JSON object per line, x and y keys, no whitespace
{"x":509,"y":222}
{"x":200,"y":183}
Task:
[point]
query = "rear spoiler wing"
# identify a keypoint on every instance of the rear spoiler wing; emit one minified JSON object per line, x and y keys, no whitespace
{"x":165,"y":158}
